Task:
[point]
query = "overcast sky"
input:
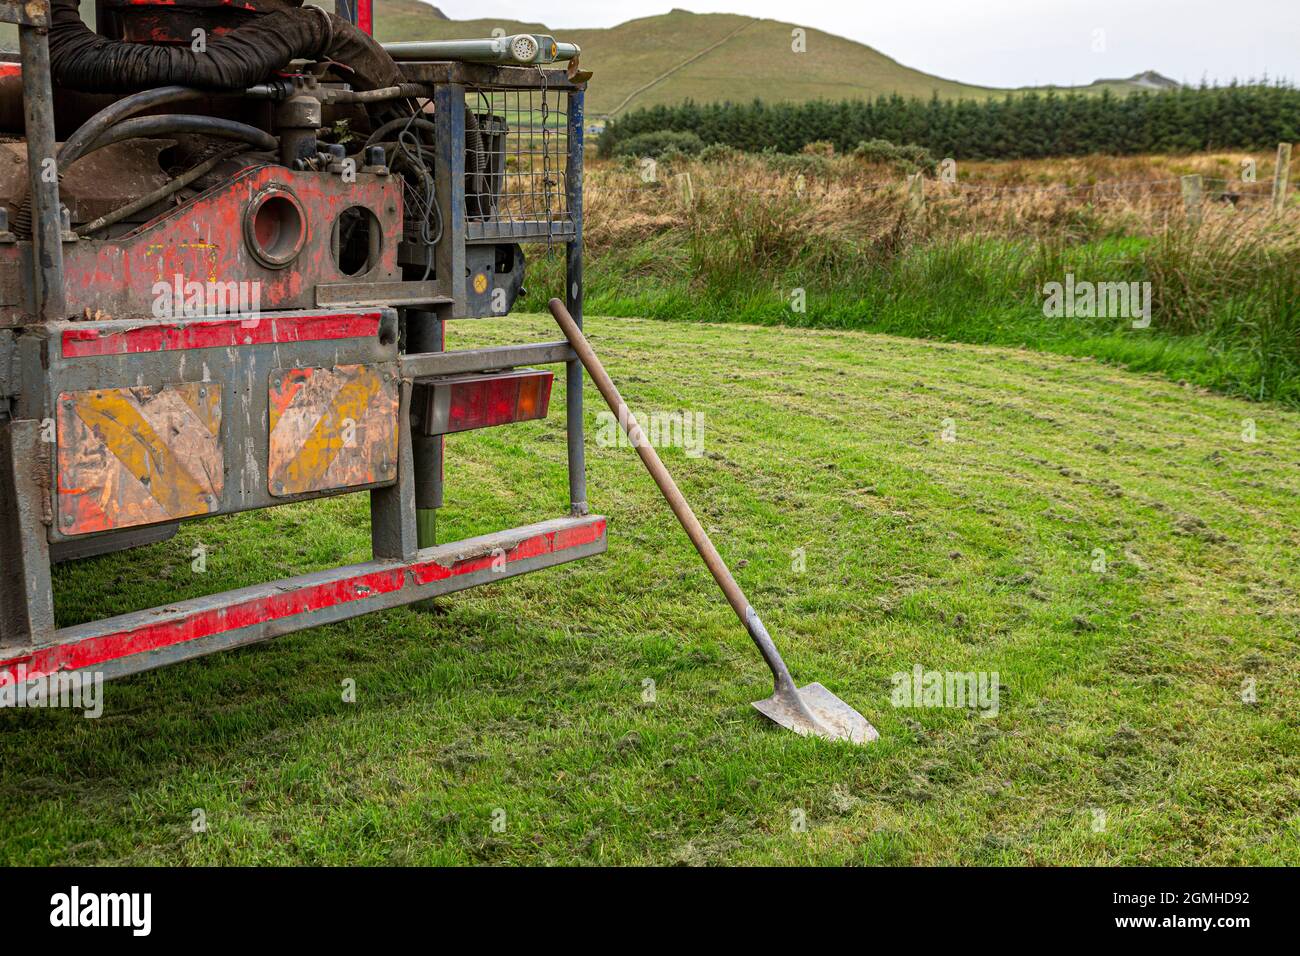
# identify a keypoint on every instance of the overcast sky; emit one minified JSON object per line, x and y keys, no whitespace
{"x":999,"y":42}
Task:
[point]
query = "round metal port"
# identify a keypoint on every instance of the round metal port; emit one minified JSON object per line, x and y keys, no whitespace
{"x":275,"y":227}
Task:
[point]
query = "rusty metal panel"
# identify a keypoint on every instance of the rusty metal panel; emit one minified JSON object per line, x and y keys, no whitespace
{"x":241,"y":353}
{"x":138,"y":456}
{"x":332,"y":428}
{"x":205,"y":241}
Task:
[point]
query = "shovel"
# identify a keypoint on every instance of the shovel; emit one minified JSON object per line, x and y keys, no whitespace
{"x":805,"y":710}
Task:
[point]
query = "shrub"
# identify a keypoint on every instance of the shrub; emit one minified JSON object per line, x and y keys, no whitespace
{"x":718,"y":153}
{"x":809,"y":164}
{"x":908,"y":158}
{"x":659,"y":142}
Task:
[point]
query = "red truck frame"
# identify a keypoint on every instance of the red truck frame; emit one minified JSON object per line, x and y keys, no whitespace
{"x":224,"y":406}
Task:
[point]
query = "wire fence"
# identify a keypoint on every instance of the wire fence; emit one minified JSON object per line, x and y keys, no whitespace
{"x":1213,"y":188}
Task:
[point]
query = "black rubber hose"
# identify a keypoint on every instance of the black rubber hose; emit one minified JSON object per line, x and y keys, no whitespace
{"x":172,"y":123}
{"x":90,"y":130}
{"x":81,"y":59}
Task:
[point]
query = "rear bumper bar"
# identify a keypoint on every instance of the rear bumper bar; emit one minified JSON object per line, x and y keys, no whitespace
{"x":147,"y":639}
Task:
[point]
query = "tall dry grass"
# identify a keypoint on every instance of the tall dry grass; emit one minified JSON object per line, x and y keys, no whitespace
{"x":731,"y":238}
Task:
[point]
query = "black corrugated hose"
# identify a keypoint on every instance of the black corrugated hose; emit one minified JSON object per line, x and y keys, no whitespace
{"x":81,"y":59}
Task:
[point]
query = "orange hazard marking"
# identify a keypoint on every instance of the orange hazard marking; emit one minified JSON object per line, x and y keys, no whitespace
{"x":134,"y":456}
{"x":332,"y":428}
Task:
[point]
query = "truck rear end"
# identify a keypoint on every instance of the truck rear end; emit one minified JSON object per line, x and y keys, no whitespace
{"x":217,"y":298}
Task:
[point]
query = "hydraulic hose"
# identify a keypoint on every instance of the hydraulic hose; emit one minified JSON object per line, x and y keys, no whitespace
{"x":127,"y":106}
{"x":81,"y":59}
{"x":173,"y":123}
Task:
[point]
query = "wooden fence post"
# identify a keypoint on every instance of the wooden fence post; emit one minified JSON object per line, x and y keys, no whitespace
{"x":687,"y":190}
{"x":1192,"y":199}
{"x":916,"y":194}
{"x":1281,"y":177}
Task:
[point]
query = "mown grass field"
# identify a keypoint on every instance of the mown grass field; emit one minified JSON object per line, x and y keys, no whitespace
{"x":1121,"y":693}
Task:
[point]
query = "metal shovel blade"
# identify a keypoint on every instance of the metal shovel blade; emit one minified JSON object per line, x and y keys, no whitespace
{"x":813,"y":710}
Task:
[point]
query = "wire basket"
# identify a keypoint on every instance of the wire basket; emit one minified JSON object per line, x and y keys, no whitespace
{"x":516,"y":160}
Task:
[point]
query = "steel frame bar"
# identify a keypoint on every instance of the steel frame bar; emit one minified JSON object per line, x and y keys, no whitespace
{"x":26,"y":592}
{"x":43,"y":182}
{"x":573,"y":373}
{"x":464,"y":361}
{"x":147,"y":639}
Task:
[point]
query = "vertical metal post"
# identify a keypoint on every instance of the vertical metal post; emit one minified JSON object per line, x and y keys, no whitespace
{"x":42,"y":173}
{"x":1281,"y":176}
{"x":573,"y":373}
{"x":425,"y":330}
{"x":393,"y":531}
{"x":26,"y":592}
{"x":449,"y":188}
{"x":424,"y":333}
{"x":347,"y":10}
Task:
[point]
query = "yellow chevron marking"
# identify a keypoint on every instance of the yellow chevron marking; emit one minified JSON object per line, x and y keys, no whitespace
{"x":340,"y":414}
{"x":113,"y":417}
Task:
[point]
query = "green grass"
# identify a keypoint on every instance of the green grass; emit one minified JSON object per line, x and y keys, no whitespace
{"x":1119,"y":691}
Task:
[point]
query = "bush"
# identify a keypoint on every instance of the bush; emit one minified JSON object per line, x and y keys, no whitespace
{"x":718,"y":153}
{"x":807,"y":164}
{"x":909,"y":158}
{"x":659,"y":142}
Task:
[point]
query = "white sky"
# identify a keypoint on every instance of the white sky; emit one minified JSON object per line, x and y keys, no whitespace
{"x":998,"y":42}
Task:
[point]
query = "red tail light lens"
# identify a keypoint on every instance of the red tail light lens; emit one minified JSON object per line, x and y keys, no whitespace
{"x":477,"y":401}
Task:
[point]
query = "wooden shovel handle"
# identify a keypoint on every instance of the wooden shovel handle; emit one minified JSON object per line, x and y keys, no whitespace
{"x":717,"y":567}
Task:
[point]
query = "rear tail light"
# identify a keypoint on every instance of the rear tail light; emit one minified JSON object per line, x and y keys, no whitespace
{"x":463,"y":402}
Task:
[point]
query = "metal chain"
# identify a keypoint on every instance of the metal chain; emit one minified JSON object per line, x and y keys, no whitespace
{"x":546,"y":156}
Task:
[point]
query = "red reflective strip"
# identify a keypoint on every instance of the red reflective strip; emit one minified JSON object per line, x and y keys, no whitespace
{"x":218,"y":333}
{"x":220,"y":620}
{"x":533,"y":547}
{"x":11,"y":69}
{"x":365,"y":16}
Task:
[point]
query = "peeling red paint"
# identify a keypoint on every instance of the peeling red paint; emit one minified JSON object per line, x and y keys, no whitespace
{"x":101,"y":649}
{"x":203,"y":241}
{"x":431,"y":571}
{"x":221,"y":333}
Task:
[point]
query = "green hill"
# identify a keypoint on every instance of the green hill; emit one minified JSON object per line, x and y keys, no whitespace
{"x":705,"y":57}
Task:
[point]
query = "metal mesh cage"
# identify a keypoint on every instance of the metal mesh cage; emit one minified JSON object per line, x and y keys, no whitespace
{"x":516,"y":159}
